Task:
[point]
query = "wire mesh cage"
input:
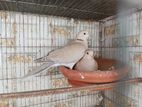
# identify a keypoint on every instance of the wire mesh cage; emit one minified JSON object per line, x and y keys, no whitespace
{"x":123,"y":39}
{"x":31,"y":29}
{"x":21,"y":42}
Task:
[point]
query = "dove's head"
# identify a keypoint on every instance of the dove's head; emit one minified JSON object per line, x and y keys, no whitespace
{"x":89,"y":53}
{"x":83,"y":35}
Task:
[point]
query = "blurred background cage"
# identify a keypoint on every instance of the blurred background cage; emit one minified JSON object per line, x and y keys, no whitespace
{"x":30,"y":29}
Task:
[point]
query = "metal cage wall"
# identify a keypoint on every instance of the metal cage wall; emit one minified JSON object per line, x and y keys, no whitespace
{"x":26,"y":36}
{"x":122,"y":37}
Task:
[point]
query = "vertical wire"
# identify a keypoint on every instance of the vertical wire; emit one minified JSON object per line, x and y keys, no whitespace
{"x":7,"y":80}
{"x":49,"y":36}
{"x":82,"y":97}
{"x":33,"y":28}
{"x":36,"y":44}
{"x":121,"y":38}
{"x":97,"y":37}
{"x":102,"y":38}
{"x":139,"y":31}
{"x":52,"y":47}
{"x":31,"y":48}
{"x":13,"y":37}
{"x":134,"y":22}
{"x":54,"y":38}
{"x":28,"y":44}
{"x":91,"y":95}
{"x":24,"y":45}
{"x":91,"y":40}
{"x":63,"y":34}
{"x":125,"y":54}
{"x":43,"y":20}
{"x":20,"y":47}
{"x":39,"y":46}
{"x":110,"y":49}
{"x":2,"y":53}
{"x":51,"y":24}
{"x":124,"y":88}
{"x":9,"y":53}
{"x":103,"y":41}
{"x":137,"y":35}
{"x":134,"y":19}
{"x":27,"y":22}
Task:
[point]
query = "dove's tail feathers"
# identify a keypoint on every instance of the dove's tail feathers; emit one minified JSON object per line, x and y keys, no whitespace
{"x":38,"y":70}
{"x":38,"y":60}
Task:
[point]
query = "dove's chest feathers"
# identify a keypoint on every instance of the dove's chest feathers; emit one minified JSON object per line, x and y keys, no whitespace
{"x":88,"y":64}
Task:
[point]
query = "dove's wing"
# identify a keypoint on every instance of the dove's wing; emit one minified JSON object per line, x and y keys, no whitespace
{"x":67,"y":54}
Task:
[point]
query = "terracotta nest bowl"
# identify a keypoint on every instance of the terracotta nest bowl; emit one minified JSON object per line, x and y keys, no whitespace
{"x":103,"y":75}
{"x":81,"y":84}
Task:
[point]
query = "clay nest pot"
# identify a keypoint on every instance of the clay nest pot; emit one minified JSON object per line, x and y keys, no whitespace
{"x":110,"y":70}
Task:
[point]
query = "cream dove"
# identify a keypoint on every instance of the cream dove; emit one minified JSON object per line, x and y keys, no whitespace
{"x":87,"y":62}
{"x":66,"y":56}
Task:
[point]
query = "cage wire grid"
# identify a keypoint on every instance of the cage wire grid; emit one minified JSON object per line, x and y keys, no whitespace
{"x":81,"y":9}
{"x":123,"y":42}
{"x":26,"y":36}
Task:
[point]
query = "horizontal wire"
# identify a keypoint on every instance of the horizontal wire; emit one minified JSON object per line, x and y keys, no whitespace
{"x":69,"y":89}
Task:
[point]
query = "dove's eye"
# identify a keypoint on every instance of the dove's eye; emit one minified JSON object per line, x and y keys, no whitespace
{"x":84,"y":33}
{"x":87,"y":53}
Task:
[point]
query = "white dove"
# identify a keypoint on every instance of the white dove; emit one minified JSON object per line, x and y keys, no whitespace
{"x":66,"y":56}
{"x":87,"y":62}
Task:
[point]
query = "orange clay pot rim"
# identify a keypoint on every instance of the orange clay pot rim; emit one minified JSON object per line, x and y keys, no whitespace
{"x":94,"y":72}
{"x":96,"y":76}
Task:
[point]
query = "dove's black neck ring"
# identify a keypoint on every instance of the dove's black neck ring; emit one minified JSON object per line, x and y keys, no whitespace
{"x":79,"y":39}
